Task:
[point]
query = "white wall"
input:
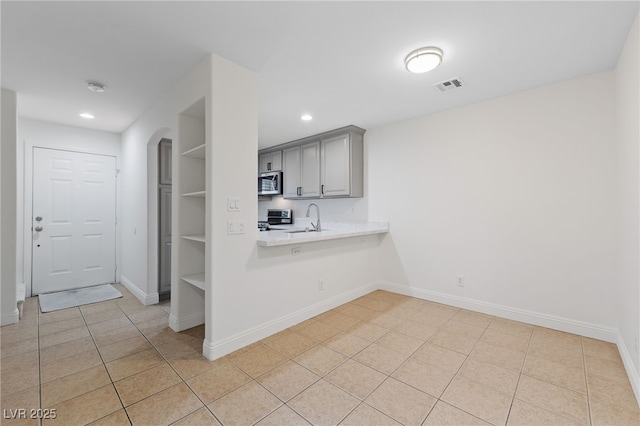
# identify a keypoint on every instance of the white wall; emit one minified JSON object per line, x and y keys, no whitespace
{"x":627,"y":85}
{"x":33,"y":133}
{"x":8,"y":211}
{"x":517,"y":194}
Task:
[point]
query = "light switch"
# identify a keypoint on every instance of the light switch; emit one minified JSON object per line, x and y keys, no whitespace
{"x":233,"y":204}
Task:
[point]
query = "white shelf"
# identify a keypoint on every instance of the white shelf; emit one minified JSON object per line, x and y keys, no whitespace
{"x":197,"y":194}
{"x":190,"y":187}
{"x":198,"y":238}
{"x":197,"y":152}
{"x":196,"y":280}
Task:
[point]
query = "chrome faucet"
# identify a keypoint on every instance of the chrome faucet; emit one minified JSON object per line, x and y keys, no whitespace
{"x":317,"y":226}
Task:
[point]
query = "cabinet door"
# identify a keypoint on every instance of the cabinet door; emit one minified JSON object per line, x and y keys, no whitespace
{"x":310,"y":170}
{"x":164,"y":280}
{"x":264,"y":162}
{"x":270,"y":162}
{"x":165,"y":161}
{"x":291,"y":172}
{"x":276,"y":161}
{"x":336,"y":167}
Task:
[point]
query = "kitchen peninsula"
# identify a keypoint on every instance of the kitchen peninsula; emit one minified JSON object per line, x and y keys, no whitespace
{"x":334,"y":230}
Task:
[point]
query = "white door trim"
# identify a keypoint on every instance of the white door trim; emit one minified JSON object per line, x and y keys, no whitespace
{"x":28,"y":204}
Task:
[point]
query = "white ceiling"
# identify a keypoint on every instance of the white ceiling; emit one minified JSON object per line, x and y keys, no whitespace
{"x":342,"y":62}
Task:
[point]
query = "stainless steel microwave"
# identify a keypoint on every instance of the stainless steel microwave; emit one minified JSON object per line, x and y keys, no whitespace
{"x":270,"y":183}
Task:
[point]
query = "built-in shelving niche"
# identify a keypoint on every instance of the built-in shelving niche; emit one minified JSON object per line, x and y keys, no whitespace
{"x":189,"y":257}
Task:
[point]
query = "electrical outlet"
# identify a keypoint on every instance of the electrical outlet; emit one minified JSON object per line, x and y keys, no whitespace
{"x":460,"y":281}
{"x":295,"y":251}
{"x":320,"y":285}
{"x":235,"y":227}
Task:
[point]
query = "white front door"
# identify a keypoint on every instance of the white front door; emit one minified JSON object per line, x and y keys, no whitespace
{"x":73,"y":220}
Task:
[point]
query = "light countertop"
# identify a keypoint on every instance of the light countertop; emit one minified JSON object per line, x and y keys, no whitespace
{"x":330,"y":231}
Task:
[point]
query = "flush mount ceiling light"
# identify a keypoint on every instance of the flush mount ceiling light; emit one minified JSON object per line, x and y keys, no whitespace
{"x":94,"y":86}
{"x":423,"y":60}
{"x":306,"y":117}
{"x":87,"y":115}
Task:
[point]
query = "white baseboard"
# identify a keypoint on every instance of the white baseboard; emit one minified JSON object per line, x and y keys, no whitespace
{"x":214,"y":350}
{"x":186,"y":323}
{"x":629,"y":366}
{"x":10,"y":318}
{"x":536,"y":318}
{"x":144,"y":298}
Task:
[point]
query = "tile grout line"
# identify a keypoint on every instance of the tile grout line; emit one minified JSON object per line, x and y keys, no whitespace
{"x":545,"y":408}
{"x":458,"y":370}
{"x":586,"y":384}
{"x":39,"y":358}
{"x":388,"y":376}
{"x":602,"y":376}
{"x":284,"y":403}
{"x":428,"y":341}
{"x":165,"y":360}
{"x":362,"y":401}
{"x":524,"y":361}
{"x":104,"y":364}
{"x":182,"y":379}
{"x":320,"y":377}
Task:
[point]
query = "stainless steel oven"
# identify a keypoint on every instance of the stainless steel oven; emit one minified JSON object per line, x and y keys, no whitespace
{"x":276,"y":217}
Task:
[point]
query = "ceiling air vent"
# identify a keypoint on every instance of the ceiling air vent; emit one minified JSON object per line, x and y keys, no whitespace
{"x":448,"y":85}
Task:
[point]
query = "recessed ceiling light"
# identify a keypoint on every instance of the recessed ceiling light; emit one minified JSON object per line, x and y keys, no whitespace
{"x":86,"y":115}
{"x":423,"y":60}
{"x":305,"y":117}
{"x":94,"y":86}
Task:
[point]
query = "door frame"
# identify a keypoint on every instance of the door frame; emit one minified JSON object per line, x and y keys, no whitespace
{"x":27,"y":212}
{"x":151,"y":295}
{"x":162,"y":185}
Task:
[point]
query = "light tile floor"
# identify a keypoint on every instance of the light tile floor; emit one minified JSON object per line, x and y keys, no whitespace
{"x":383,"y":359}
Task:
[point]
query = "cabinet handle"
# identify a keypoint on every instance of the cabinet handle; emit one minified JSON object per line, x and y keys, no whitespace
{"x":322,"y":190}
{"x":299,"y":191}
{"x":269,"y":167}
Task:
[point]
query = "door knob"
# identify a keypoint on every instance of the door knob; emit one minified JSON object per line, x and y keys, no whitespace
{"x":38,"y":228}
{"x":38,"y":218}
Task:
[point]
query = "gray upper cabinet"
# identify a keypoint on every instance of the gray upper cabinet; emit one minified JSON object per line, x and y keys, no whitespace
{"x":328,"y":165}
{"x":291,"y":173}
{"x":301,"y":171}
{"x":341,"y":172}
{"x":270,"y":161}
